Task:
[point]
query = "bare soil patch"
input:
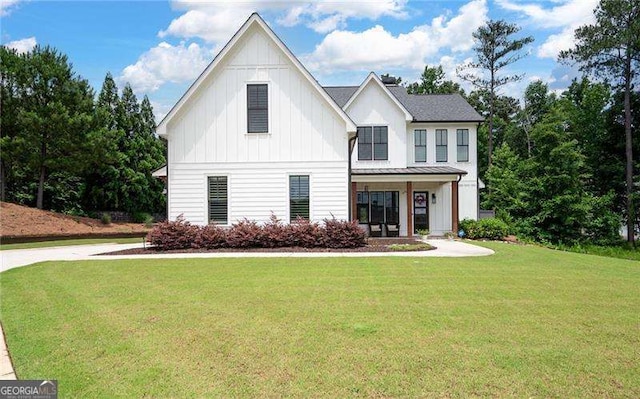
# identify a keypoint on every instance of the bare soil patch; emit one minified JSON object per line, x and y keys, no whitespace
{"x":22,"y":222}
{"x":373,"y":245}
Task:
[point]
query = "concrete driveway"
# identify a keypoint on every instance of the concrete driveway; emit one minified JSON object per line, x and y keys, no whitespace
{"x":23,"y":257}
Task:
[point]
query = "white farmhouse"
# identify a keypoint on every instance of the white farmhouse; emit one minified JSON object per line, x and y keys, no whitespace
{"x":256,"y":134}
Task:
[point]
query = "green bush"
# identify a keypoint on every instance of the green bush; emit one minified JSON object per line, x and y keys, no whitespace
{"x":491,"y":228}
{"x":141,"y":217}
{"x":105,"y":218}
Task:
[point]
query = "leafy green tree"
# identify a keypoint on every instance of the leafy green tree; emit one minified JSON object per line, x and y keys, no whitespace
{"x":610,"y":48}
{"x":432,"y":81}
{"x":537,"y":102}
{"x":495,"y":49}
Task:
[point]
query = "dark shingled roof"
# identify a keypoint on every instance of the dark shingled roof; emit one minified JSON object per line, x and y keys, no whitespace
{"x":423,"y":107}
{"x":423,"y":170}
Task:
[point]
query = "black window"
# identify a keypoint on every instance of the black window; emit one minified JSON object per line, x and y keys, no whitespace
{"x":420,"y":143}
{"x":364,"y":143}
{"x":298,"y":197}
{"x":463,"y":145}
{"x":258,"y":108}
{"x":392,"y":207}
{"x":441,"y":145}
{"x":217,"y":199}
{"x":363,"y":206}
{"x":380,"y":143}
{"x":377,"y":206}
{"x":373,"y":143}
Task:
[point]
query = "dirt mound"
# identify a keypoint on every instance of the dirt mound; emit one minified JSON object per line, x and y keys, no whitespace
{"x":21,"y":221}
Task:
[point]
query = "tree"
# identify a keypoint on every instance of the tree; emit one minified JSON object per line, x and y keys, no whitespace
{"x":53,"y":111}
{"x":389,"y":79}
{"x":537,"y":102}
{"x":610,"y":48}
{"x":432,"y":81}
{"x":495,"y":49}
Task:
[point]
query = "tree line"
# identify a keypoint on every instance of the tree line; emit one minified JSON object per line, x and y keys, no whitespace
{"x":65,"y":149}
{"x":563,"y":166}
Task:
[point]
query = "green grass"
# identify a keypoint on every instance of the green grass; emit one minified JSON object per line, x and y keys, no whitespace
{"x":64,"y":243}
{"x":621,"y":251}
{"x":526,"y":322}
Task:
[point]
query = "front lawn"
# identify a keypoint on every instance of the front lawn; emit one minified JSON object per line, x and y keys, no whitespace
{"x":526,"y":322}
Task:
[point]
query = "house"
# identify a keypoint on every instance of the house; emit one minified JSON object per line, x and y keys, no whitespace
{"x":256,"y":134}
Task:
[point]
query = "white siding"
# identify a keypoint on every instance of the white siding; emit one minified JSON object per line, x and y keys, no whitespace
{"x":212,"y":127}
{"x":373,"y":107}
{"x":257,"y":190}
{"x":208,"y":137}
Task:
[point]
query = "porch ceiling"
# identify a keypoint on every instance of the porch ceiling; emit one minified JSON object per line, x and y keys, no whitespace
{"x":424,"y":173}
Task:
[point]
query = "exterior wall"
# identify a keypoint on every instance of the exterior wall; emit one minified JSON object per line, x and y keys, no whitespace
{"x":468,"y":186}
{"x":209,"y":137}
{"x":256,"y":190}
{"x":374,"y":107}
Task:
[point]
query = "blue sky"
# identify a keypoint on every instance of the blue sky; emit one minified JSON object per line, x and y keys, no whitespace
{"x":160,"y":47}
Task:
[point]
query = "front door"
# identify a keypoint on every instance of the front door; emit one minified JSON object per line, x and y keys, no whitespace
{"x":420,"y":211}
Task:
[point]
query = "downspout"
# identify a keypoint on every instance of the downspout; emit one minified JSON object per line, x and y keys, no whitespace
{"x":477,"y":176}
{"x":167,"y":182}
{"x":351,"y":145}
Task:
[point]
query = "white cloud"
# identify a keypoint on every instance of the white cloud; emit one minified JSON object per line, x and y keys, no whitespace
{"x":6,"y":6}
{"x":217,"y":20}
{"x":327,"y":15}
{"x":23,"y":45}
{"x":569,"y":15}
{"x":166,"y":63}
{"x":378,"y":49}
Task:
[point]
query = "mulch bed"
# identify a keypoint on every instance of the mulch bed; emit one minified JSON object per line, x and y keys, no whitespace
{"x":373,"y":245}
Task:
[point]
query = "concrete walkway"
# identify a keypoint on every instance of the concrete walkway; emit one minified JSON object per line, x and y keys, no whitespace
{"x":23,"y":257}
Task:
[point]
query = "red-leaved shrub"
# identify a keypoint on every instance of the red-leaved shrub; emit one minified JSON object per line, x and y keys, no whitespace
{"x":342,"y":234}
{"x":274,"y":233}
{"x":211,"y":237}
{"x":244,"y":234}
{"x":304,"y":233}
{"x":179,"y":234}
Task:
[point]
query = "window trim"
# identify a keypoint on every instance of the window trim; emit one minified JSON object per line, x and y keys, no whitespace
{"x":415,"y":146}
{"x":445,"y":145}
{"x":289,"y":176}
{"x":458,"y":145}
{"x":206,"y":202}
{"x":373,"y":143}
{"x":269,"y":102}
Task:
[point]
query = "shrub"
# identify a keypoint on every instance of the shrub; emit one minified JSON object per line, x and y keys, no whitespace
{"x":342,"y":234}
{"x":490,"y":228}
{"x":244,"y":234}
{"x":210,"y":237}
{"x":179,"y":234}
{"x":105,"y":218}
{"x":303,"y":233}
{"x":275,"y":233}
{"x":141,"y":217}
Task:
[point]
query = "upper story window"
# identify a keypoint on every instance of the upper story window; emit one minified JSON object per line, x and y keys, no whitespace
{"x":420,"y":143}
{"x":441,"y":145}
{"x":463,"y":145}
{"x":373,"y":143}
{"x":257,"y":108}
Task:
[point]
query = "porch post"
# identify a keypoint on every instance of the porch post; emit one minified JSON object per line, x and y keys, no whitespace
{"x":409,"y":209}
{"x":454,"y":207}
{"x":354,"y":210}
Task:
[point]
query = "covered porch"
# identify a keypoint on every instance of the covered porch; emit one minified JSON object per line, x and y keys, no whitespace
{"x":404,"y":201}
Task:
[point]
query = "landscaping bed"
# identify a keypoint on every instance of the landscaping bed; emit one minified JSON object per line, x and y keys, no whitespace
{"x":372,"y":245}
{"x":24,"y":224}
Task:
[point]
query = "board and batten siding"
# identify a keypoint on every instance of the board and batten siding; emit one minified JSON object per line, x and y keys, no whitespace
{"x":208,"y":137}
{"x":256,"y":190}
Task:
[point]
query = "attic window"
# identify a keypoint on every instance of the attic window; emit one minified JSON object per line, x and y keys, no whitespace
{"x":257,"y":108}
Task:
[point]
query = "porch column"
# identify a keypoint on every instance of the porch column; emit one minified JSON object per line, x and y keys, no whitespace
{"x":354,"y":210}
{"x":454,"y":207}
{"x":409,"y":209}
